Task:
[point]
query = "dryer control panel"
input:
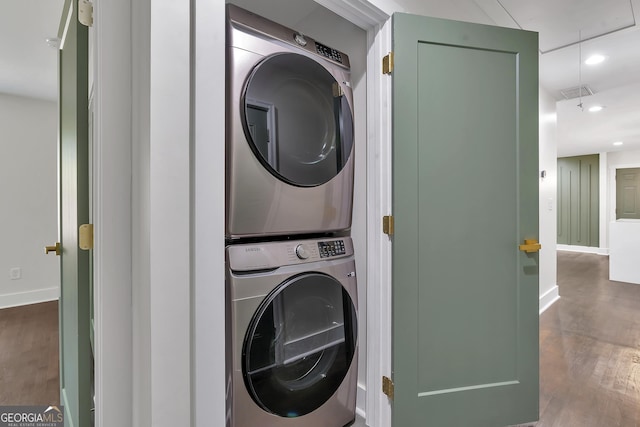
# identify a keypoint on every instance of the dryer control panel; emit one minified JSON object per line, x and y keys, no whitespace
{"x":333,"y":54}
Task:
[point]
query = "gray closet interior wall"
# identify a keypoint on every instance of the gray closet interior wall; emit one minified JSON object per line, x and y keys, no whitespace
{"x":578,"y":200}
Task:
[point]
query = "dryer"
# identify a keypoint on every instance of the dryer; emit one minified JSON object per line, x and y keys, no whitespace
{"x":289,"y":131}
{"x":292,"y":333}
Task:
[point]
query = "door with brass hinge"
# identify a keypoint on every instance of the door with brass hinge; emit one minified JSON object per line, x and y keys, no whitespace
{"x":465,"y":205}
{"x":75,"y":306}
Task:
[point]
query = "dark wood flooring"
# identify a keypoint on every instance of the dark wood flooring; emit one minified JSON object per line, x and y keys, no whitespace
{"x":590,"y":348}
{"x":29,"y":372}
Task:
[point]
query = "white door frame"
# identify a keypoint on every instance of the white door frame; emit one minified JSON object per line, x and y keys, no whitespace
{"x":378,"y":306}
{"x":135,"y":347}
{"x":112,"y":207}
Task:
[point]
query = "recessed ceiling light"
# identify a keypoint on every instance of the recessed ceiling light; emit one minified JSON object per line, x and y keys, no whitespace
{"x":618,"y":143}
{"x":595,"y":59}
{"x":595,"y":108}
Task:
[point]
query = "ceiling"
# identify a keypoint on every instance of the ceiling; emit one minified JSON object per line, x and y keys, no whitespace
{"x":610,"y":28}
{"x":570,"y":31}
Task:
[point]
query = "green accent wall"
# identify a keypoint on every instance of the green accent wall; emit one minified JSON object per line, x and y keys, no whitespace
{"x":578,"y":200}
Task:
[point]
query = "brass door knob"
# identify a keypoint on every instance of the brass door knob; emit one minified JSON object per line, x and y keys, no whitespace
{"x":530,"y":245}
{"x":57,"y":249}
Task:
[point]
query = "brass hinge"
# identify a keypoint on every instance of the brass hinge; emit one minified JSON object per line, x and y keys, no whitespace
{"x":85,"y":237}
{"x":85,"y":13}
{"x":387,"y":387}
{"x":387,"y":64}
{"x":387,"y":224}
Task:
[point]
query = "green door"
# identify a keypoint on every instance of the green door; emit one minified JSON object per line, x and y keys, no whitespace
{"x":628,"y":193}
{"x":465,"y":196}
{"x":76,"y":361}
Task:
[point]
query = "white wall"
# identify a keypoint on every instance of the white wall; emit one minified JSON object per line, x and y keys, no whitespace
{"x":28,"y":196}
{"x":170,"y":213}
{"x":548,"y":189}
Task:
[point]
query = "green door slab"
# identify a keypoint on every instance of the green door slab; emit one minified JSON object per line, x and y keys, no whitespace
{"x":76,"y":361}
{"x":628,"y":193}
{"x":465,"y":196}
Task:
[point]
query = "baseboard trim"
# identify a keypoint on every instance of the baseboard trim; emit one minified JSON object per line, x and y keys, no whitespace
{"x":549,"y":298}
{"x":29,"y":297}
{"x":361,"y":400}
{"x":583,"y":249}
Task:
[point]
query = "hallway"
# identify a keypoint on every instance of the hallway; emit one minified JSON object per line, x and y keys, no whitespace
{"x":590,"y":348}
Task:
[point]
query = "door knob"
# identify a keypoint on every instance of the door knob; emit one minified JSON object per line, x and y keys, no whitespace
{"x":530,"y":245}
{"x":56,"y":248}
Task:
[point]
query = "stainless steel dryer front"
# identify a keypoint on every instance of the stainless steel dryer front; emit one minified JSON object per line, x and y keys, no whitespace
{"x":292,"y":334}
{"x":289,"y":148}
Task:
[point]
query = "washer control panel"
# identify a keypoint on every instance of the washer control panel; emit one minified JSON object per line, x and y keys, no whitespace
{"x":331,"y":248}
{"x":270,"y":255}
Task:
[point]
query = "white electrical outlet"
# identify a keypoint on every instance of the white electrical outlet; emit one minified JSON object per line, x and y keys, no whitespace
{"x":15,"y":273}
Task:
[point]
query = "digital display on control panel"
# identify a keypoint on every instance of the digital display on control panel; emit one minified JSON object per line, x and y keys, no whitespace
{"x":329,"y":52}
{"x":329,"y":249}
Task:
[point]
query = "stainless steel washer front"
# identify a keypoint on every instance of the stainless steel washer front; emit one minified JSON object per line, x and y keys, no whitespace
{"x":292,"y":322}
{"x":289,"y":148}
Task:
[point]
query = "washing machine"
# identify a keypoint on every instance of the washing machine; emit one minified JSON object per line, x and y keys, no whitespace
{"x":289,"y":131}
{"x":292,"y":334}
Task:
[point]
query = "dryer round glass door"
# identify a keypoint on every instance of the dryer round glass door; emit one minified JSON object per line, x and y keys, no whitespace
{"x":297,"y":119}
{"x":299,"y":345}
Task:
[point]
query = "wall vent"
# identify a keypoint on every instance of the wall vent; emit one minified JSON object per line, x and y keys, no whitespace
{"x":574,"y":92}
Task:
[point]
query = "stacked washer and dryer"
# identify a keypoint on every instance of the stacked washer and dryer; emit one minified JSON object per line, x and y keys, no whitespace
{"x":291,"y":282}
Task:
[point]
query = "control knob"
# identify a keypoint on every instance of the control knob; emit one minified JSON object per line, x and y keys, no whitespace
{"x":302,"y":252}
{"x":300,"y":39}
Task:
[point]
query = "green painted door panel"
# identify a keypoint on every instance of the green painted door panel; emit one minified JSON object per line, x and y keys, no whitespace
{"x":76,"y":364}
{"x":465,"y":195}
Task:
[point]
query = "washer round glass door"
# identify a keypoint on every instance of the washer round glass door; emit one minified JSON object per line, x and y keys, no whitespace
{"x":299,"y":345}
{"x":297,"y":119}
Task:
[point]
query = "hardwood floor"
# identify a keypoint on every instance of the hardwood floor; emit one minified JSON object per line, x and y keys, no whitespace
{"x":29,"y":373}
{"x":590,"y":348}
